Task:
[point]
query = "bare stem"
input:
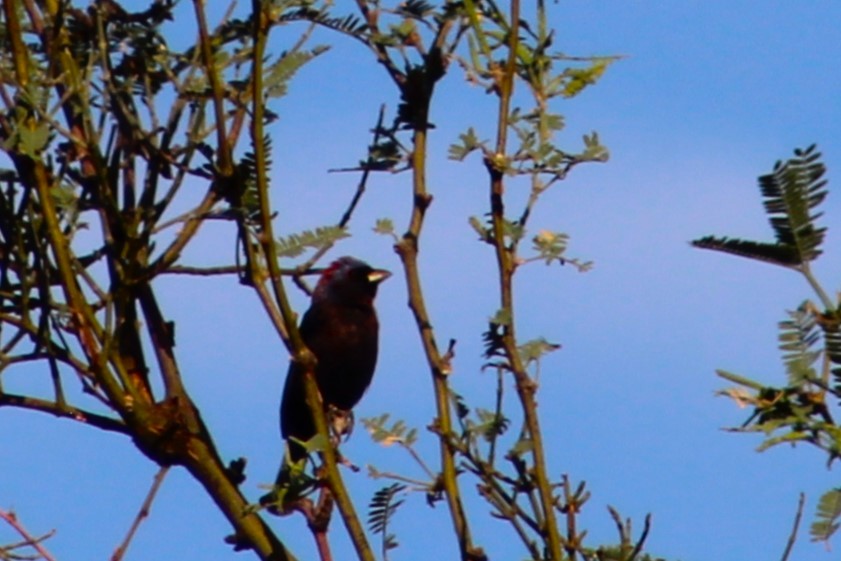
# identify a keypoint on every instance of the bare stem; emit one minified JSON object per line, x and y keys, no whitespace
{"x":142,"y":513}
{"x":816,"y":286}
{"x":408,"y":250}
{"x":792,"y":538}
{"x":35,"y":543}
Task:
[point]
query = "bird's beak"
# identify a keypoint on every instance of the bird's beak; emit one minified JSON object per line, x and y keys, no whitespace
{"x":378,"y":275}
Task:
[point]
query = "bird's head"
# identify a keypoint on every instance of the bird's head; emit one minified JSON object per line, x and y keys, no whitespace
{"x":350,"y":281}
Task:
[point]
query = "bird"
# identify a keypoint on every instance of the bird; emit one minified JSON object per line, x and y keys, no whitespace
{"x":342,"y":331}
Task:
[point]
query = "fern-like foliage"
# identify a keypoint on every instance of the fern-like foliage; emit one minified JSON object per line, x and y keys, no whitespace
{"x":791,"y":192}
{"x":828,"y":515}
{"x":491,"y":424}
{"x":798,"y":335}
{"x":383,"y":433}
{"x":832,"y":345}
{"x":415,"y":9}
{"x":280,"y":72}
{"x":796,"y":412}
{"x":773,"y":253}
{"x":247,"y":200}
{"x":350,"y":25}
{"x":383,"y":505}
{"x":493,"y":341}
{"x":296,"y":244}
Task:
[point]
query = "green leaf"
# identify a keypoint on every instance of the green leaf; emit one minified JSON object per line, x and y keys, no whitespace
{"x":742,"y":381}
{"x":29,"y":142}
{"x":521,"y":447}
{"x":579,"y":78}
{"x":832,"y":342}
{"x":798,"y":335}
{"x":384,"y":226}
{"x":533,"y":350}
{"x":792,"y":192}
{"x":594,"y":151}
{"x":350,"y":25}
{"x":828,"y":514}
{"x":469,"y":143}
{"x":550,"y":246}
{"x":479,"y":228}
{"x":284,"y":68}
{"x":513,"y":230}
{"x":774,"y":253}
{"x":381,"y":509}
{"x":382,"y":156}
{"x":792,"y":437}
{"x":415,"y":8}
{"x":492,"y":338}
{"x":490,"y":424}
{"x":501,"y":317}
{"x":64,"y":196}
{"x":295,"y":244}
{"x":403,"y":31}
{"x":387,"y":435}
{"x":317,"y":443}
{"x":552,"y":121}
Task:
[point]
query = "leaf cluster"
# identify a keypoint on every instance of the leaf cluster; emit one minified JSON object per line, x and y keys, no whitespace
{"x":804,"y":409}
{"x":105,"y":120}
{"x":791,"y":192}
{"x":381,"y":510}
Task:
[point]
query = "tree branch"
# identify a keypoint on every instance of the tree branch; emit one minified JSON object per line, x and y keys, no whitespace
{"x":64,"y":411}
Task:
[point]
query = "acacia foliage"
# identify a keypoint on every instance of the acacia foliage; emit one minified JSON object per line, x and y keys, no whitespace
{"x":107,"y":120}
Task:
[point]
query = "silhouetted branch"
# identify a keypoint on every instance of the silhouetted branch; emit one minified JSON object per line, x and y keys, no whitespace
{"x":792,"y":538}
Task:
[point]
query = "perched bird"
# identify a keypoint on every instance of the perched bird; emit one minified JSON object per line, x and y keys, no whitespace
{"x":341,"y":329}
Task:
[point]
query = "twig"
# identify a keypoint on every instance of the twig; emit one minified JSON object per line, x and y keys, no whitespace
{"x":363,"y":181}
{"x":500,"y":388}
{"x":143,"y":513}
{"x":65,"y":411}
{"x":493,"y":480}
{"x":35,"y":543}
{"x":204,"y":271}
{"x":380,"y":50}
{"x":638,"y":547}
{"x":793,"y":536}
{"x":418,"y":459}
{"x":318,"y":519}
{"x":232,"y":269}
{"x":620,"y":524}
{"x":504,"y":511}
{"x":323,"y":545}
{"x":417,"y":484}
{"x":345,"y":219}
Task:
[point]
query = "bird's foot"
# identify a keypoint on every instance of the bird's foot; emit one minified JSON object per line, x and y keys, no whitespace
{"x":347,"y":463}
{"x":341,"y":422}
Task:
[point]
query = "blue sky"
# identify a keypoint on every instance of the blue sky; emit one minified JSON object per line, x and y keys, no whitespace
{"x":708,"y":96}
